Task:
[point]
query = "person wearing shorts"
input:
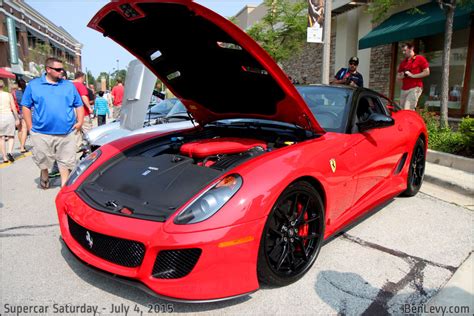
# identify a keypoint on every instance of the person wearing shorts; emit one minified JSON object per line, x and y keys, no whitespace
{"x":8,"y":121}
{"x":54,"y":123}
{"x":117,"y":95}
{"x":411,"y":71}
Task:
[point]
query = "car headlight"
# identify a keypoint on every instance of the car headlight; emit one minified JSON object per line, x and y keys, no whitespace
{"x":208,"y":203}
{"x":82,"y":166}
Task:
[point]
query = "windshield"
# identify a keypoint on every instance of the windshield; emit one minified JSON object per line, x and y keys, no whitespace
{"x":177,"y":109}
{"x":163,"y":107}
{"x":329,"y":105}
{"x":262,"y":122}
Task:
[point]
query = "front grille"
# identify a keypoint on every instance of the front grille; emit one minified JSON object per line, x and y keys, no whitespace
{"x":120,"y":251}
{"x":174,"y":264}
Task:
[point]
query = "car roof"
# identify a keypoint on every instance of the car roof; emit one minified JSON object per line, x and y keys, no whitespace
{"x":341,"y":86}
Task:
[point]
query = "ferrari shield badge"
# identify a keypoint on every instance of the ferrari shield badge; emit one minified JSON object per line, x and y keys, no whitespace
{"x":332,"y":163}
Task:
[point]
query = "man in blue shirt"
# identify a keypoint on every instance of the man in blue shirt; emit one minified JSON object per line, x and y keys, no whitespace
{"x":58,"y":115}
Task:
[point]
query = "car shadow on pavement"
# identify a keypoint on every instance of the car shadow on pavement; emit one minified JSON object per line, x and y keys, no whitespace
{"x":136,"y":295}
{"x":359,"y":220}
{"x":350,"y":294}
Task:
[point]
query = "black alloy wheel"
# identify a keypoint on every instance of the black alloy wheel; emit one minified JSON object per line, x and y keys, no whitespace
{"x":292,"y":235}
{"x":416,"y":170}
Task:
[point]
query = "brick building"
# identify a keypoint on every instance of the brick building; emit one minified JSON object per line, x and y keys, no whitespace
{"x":27,"y":38}
{"x":378,"y":48}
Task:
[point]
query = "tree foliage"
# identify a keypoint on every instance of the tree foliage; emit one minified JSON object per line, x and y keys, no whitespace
{"x":38,"y":55}
{"x":282,"y":31}
{"x":90,"y":78}
{"x":380,"y":8}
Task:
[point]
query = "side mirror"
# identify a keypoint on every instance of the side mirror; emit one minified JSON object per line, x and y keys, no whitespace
{"x":376,"y":120}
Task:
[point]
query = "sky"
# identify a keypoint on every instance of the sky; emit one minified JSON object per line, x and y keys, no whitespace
{"x":100,"y":53}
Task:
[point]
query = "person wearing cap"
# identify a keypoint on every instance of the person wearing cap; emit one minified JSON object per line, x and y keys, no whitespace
{"x":350,"y":75}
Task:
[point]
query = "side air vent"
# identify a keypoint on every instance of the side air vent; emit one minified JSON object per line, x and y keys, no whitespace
{"x":401,"y":163}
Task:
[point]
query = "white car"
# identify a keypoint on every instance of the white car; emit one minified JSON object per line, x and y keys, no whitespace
{"x":176,"y":119}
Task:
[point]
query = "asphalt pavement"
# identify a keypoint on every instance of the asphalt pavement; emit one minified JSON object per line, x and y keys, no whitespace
{"x":394,"y":261}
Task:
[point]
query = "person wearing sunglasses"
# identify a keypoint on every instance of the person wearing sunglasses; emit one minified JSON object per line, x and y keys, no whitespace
{"x":350,"y":75}
{"x":58,"y":116}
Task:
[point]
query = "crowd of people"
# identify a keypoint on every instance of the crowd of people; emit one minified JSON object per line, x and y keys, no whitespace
{"x":55,"y":113}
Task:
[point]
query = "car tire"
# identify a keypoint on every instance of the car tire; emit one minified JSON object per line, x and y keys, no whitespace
{"x":292,"y":235}
{"x":416,"y":169}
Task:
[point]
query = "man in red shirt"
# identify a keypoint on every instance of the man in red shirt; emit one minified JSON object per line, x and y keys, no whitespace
{"x":117,"y":95}
{"x":79,"y":78}
{"x":411,"y":71}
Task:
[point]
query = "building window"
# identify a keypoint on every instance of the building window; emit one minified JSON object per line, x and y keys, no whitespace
{"x":470,"y":107}
{"x":432,"y":48}
{"x":433,"y":51}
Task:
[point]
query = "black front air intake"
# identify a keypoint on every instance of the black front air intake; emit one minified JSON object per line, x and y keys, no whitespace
{"x":174,"y":264}
{"x":123,"y":252}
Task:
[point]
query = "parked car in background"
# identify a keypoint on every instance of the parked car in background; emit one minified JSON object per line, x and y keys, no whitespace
{"x":159,"y":110}
{"x":156,"y":120}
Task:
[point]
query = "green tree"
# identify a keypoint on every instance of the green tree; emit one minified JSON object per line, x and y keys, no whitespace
{"x":39,"y":54}
{"x":282,"y":31}
{"x":122,"y":73}
{"x":379,"y":10}
{"x":90,"y":78}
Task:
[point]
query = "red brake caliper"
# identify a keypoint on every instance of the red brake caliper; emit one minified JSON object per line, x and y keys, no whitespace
{"x":303,"y":230}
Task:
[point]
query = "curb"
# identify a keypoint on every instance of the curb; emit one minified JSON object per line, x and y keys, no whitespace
{"x":451,"y":180}
{"x":450,"y":160}
{"x":446,"y":184}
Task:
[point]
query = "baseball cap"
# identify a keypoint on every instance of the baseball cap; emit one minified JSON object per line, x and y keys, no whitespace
{"x":354,"y":59}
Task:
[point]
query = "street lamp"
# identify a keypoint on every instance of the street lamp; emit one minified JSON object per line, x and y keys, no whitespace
{"x":118,"y":68}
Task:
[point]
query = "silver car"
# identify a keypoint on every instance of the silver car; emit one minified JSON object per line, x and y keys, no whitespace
{"x":176,"y":119}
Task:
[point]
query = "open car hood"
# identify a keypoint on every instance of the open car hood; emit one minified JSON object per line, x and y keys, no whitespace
{"x":208,"y":62}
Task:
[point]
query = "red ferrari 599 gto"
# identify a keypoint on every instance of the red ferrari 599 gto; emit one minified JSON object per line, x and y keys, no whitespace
{"x":249,"y":194}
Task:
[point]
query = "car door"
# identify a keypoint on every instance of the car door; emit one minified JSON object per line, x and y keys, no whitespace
{"x":377,"y":150}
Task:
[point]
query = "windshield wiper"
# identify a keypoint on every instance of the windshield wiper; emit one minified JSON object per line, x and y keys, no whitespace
{"x":254,"y":124}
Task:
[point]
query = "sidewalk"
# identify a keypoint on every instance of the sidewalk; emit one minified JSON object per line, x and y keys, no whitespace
{"x":456,"y":186}
{"x":449,"y":184}
{"x":457,"y":293}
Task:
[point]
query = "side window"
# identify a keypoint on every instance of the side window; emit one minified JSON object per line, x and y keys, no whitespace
{"x":376,"y":106}
{"x":389,"y":106}
{"x":365,"y":107}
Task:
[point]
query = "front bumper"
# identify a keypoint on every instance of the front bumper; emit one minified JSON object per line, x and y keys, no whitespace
{"x":144,"y":288}
{"x":224,"y":270}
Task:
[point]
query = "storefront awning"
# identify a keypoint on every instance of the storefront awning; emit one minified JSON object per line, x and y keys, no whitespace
{"x":37,"y":35}
{"x":6,"y":74}
{"x":408,"y":25}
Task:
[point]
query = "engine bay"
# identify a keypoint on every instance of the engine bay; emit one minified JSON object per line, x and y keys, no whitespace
{"x":219,"y":148}
{"x":153,"y":179}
